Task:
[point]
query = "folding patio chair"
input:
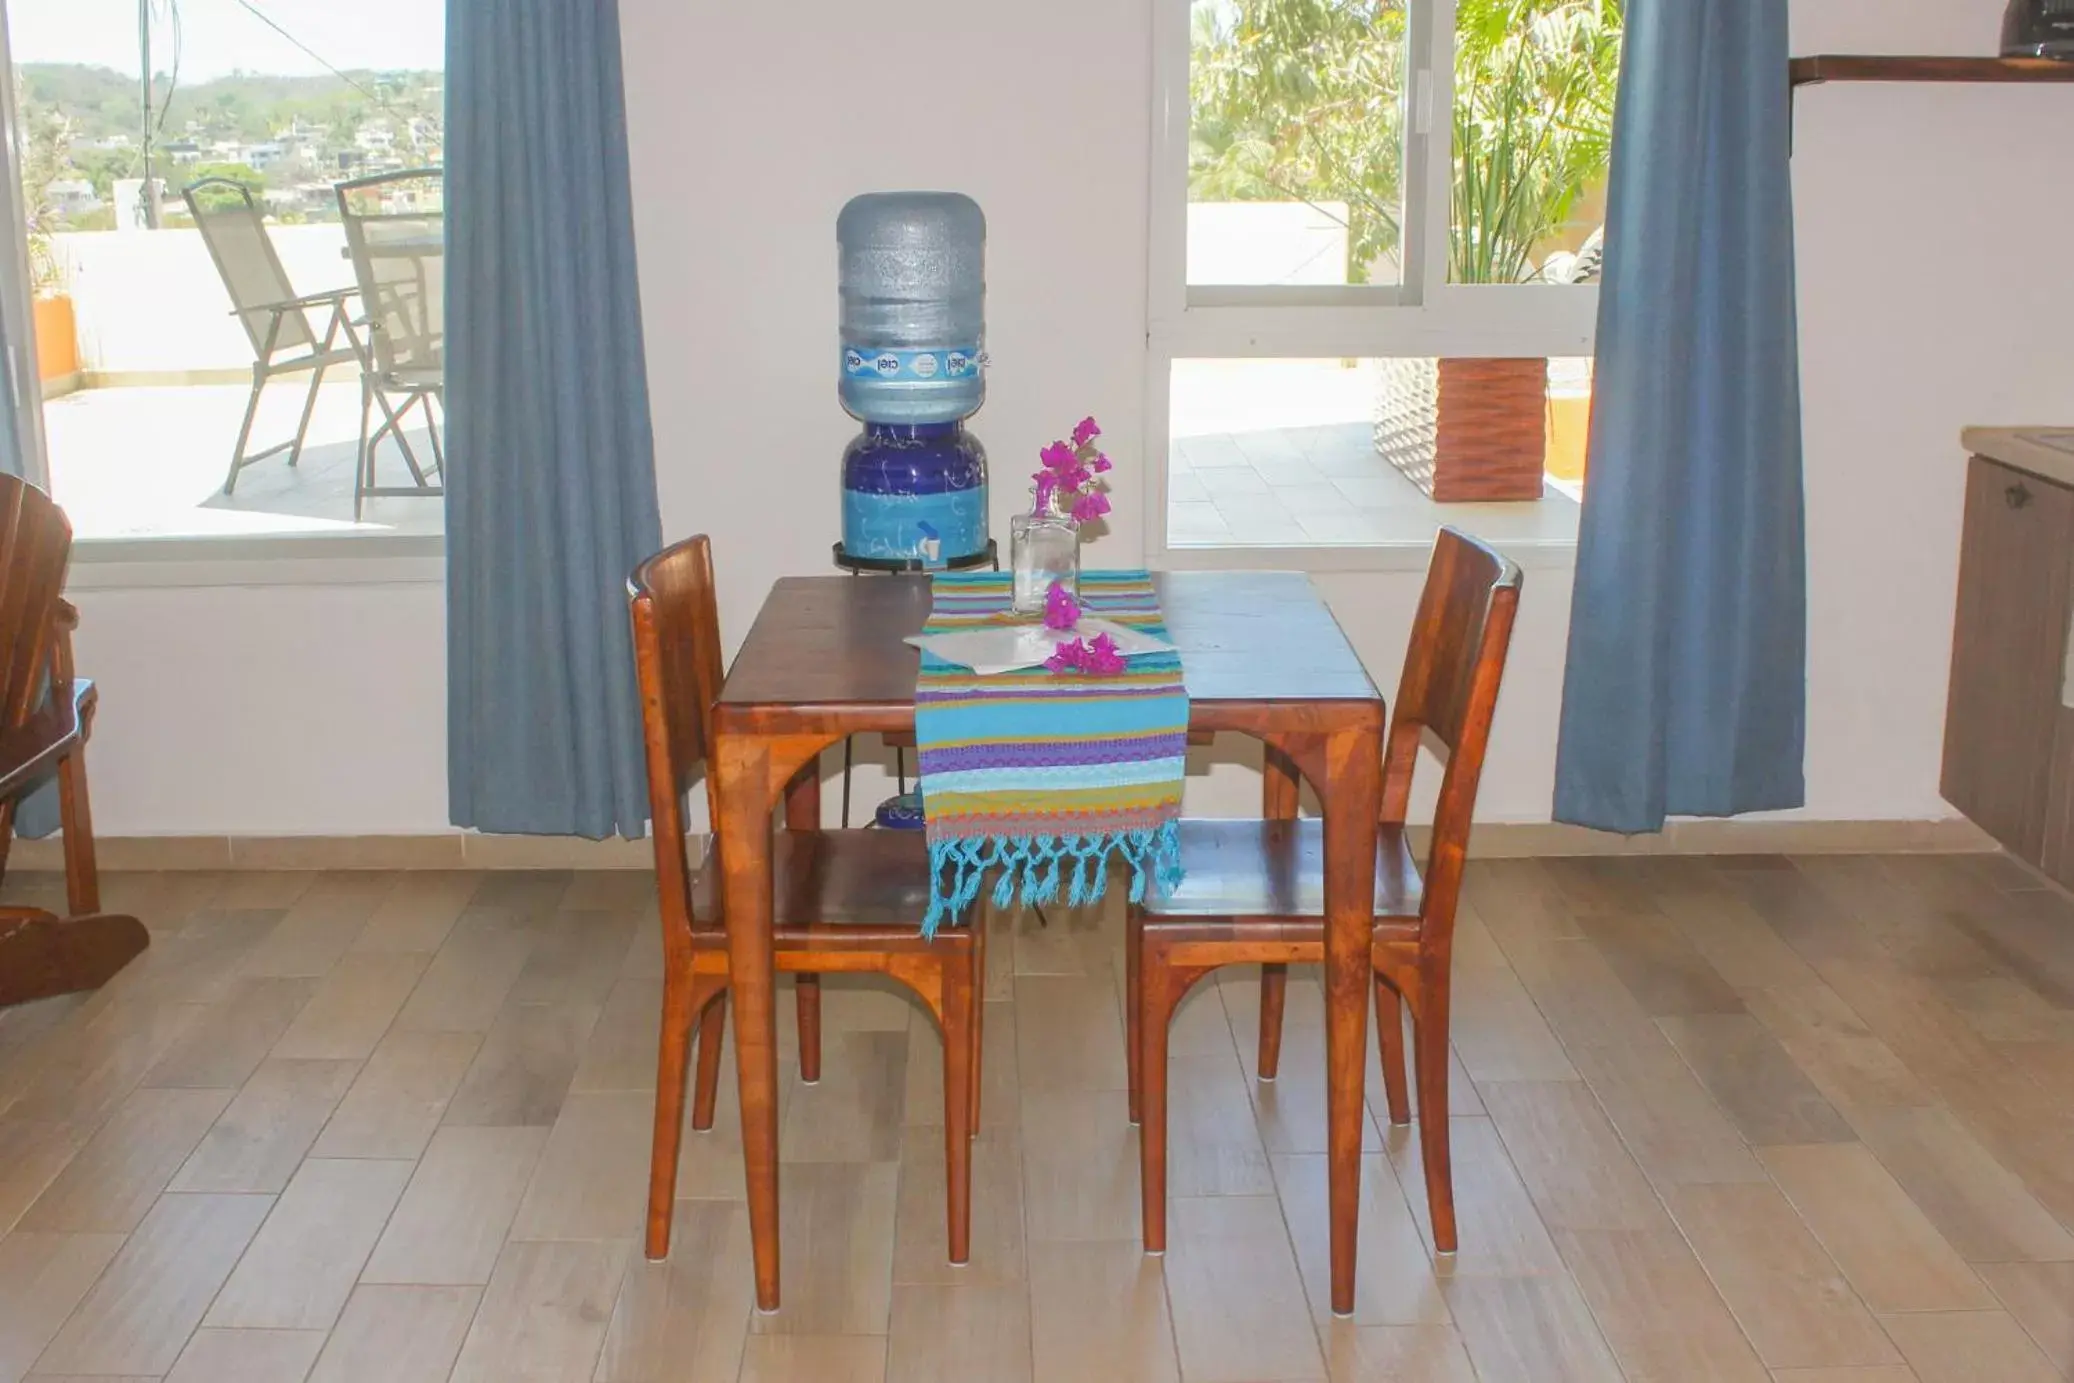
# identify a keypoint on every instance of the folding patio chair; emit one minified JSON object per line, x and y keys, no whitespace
{"x":275,"y":317}
{"x":396,"y":234}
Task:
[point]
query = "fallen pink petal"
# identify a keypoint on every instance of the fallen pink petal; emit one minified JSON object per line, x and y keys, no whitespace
{"x":1102,"y":656}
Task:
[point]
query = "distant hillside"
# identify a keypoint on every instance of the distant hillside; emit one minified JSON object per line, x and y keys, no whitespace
{"x":101,"y":102}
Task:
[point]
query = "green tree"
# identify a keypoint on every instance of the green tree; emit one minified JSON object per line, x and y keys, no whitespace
{"x":1533,"y":122}
{"x":212,"y":198}
{"x":1303,"y":100}
{"x":45,"y":139}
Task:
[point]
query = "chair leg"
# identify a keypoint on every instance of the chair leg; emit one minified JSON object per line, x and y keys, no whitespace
{"x":76,"y":822}
{"x":237,"y":455}
{"x":672,"y":1060}
{"x":363,"y":463}
{"x":712,"y":1034}
{"x":809,"y":995}
{"x":1389,"y":1031}
{"x":958,"y":1023}
{"x":1161,"y":989}
{"x":309,"y":410}
{"x":1274,"y":988}
{"x":43,"y":955}
{"x":1133,"y":1001}
{"x":438,"y":451}
{"x":1429,"y":1036}
{"x":410,"y":454}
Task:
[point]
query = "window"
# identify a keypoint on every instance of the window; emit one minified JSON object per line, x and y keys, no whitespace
{"x":145,"y":371}
{"x":1376,"y":231}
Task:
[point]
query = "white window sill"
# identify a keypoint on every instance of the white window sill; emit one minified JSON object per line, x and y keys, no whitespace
{"x":1381,"y":523}
{"x":314,"y":559}
{"x":1410,"y":556}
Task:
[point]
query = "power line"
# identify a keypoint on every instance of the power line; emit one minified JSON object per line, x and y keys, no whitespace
{"x":179,"y":47}
{"x":308,"y":51}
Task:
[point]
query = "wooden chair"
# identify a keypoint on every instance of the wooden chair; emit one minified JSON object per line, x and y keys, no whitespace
{"x":45,"y":716}
{"x":849,"y":901}
{"x":1254,"y":891}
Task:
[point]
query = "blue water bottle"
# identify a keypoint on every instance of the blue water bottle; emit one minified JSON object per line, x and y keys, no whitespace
{"x":913,"y":284}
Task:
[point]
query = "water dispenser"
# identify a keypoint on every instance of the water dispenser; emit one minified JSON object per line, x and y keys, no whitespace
{"x":913,"y":333}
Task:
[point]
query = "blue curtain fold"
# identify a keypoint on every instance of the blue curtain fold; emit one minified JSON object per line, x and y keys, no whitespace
{"x":1685,"y":692}
{"x":551,"y":479}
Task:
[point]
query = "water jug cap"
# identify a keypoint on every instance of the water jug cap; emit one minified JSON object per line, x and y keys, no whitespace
{"x":877,"y":217}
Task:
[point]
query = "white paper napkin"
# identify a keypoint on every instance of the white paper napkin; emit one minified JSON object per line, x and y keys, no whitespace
{"x":997,"y":648}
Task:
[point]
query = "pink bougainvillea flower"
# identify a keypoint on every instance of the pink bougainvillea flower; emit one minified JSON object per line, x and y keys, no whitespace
{"x":1070,"y":481}
{"x":1097,"y":658}
{"x":1102,"y":656}
{"x":1061,"y":610}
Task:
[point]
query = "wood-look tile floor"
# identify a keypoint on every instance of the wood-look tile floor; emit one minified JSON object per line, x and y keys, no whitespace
{"x":1809,"y":1121}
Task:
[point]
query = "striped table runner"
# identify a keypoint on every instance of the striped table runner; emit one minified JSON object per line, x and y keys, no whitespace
{"x":1037,"y":773}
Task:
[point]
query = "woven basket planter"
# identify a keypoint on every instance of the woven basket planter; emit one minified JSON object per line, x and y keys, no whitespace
{"x":1466,"y":430}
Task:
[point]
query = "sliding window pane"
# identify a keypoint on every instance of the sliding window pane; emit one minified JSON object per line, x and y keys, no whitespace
{"x":1533,"y":133}
{"x":1296,"y":142}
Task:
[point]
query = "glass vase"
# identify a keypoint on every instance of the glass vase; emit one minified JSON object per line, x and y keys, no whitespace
{"x":1044,"y":547}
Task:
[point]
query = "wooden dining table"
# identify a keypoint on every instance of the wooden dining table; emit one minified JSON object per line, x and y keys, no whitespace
{"x":1261,"y":655}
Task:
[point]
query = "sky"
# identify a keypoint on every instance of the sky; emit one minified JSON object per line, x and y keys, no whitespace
{"x":222,"y":36}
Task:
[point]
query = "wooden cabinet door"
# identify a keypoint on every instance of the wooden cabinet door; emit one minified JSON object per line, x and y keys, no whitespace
{"x":2009,"y":647}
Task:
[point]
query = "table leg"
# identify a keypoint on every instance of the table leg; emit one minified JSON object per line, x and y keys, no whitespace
{"x":803,"y":813}
{"x":742,"y":769}
{"x":1351,"y":796}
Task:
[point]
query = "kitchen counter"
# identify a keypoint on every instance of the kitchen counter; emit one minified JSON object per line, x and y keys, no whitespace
{"x":2046,"y":452}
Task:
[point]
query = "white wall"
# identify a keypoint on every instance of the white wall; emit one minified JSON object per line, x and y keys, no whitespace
{"x":1929,"y":301}
{"x":237,"y":710}
{"x":1922,"y":214}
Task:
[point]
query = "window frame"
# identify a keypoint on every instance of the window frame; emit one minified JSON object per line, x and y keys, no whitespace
{"x":1423,"y":317}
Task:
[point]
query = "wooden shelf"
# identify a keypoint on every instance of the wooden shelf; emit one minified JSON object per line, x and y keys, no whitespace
{"x":1833,"y":67}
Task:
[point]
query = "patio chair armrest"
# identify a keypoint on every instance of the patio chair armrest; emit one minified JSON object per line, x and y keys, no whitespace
{"x":330,"y":299}
{"x":31,"y":750}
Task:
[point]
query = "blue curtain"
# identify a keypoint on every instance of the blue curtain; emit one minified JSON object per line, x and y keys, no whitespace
{"x":1686,"y":686}
{"x":551,"y":484}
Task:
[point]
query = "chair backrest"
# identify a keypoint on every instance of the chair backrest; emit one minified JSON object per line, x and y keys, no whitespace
{"x":234,"y":229}
{"x":1447,"y":696}
{"x":396,"y":234}
{"x":35,"y":545}
{"x":677,"y":663}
